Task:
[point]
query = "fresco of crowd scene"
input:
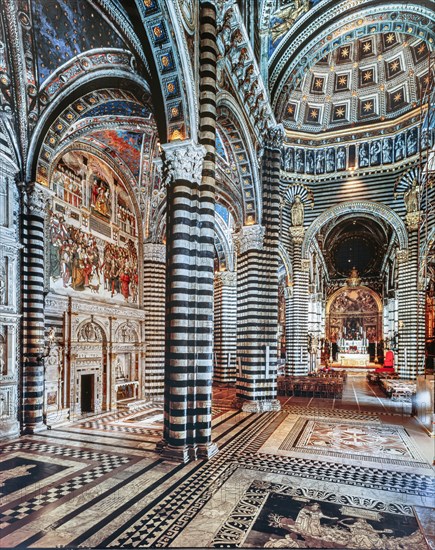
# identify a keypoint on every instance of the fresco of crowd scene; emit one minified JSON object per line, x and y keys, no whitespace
{"x":81,"y":264}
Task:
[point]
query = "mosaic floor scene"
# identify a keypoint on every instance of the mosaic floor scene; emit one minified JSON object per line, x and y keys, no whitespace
{"x":317,"y":474}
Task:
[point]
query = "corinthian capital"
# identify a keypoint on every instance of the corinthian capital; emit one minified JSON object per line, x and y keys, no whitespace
{"x":184,"y":160}
{"x":250,"y":237}
{"x":154,"y":252}
{"x":227,"y":278}
{"x":37,"y":198}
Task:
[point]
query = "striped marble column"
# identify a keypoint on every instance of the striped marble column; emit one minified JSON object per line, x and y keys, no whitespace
{"x":33,"y":323}
{"x":411,"y":309}
{"x":225,"y":327}
{"x":154,"y":306}
{"x":257,"y":293}
{"x":297,"y":310}
{"x":206,"y":222}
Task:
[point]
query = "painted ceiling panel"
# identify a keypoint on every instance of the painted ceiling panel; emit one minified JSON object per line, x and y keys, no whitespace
{"x":66,"y":28}
{"x":127,"y":146}
{"x":120,"y":108}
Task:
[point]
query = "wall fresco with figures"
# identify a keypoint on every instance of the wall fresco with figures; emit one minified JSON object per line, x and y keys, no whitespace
{"x":337,"y":158}
{"x":354,"y":314}
{"x":93,"y":234}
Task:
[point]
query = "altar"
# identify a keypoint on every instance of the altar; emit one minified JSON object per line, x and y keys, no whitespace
{"x":353,"y":359}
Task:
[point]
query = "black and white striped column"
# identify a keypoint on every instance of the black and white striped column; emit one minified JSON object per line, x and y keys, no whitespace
{"x":257,"y":293}
{"x":225,"y":327}
{"x":206,"y":221}
{"x":154,"y":306}
{"x":411,"y":308}
{"x":297,"y":363}
{"x":190,"y":271}
{"x":33,"y":323}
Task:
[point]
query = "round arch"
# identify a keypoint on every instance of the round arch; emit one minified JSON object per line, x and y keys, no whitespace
{"x":369,"y":209}
{"x":82,"y":86}
{"x":227,"y":109}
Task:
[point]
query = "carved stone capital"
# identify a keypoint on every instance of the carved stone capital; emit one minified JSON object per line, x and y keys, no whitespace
{"x":227,"y":278}
{"x":154,"y":252}
{"x":413,"y":220}
{"x":37,"y":199}
{"x":305,"y":265}
{"x":402,"y":256}
{"x":297,"y":233}
{"x":184,"y":160}
{"x":274,"y":137}
{"x":288,"y":292}
{"x":250,"y":237}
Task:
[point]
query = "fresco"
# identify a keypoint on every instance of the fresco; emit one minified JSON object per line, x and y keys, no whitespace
{"x":82,"y":262}
{"x":118,"y":108}
{"x":126,"y":144}
{"x":285,"y":17}
{"x":64,"y":29}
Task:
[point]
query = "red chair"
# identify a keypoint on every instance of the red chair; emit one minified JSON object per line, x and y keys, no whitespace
{"x":389,"y":360}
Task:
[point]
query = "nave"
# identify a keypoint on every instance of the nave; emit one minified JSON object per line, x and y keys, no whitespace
{"x":100,"y":483}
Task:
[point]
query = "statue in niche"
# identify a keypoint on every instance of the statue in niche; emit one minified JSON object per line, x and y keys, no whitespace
{"x":320,"y":162}
{"x":364,"y":155}
{"x":412,"y":197}
{"x":309,"y":157}
{"x":289,"y":160}
{"x":299,"y":160}
{"x":411,"y":142}
{"x":3,"y":369}
{"x":341,"y":158}
{"x":387,"y":151}
{"x":330,"y":160}
{"x":400,"y":147}
{"x":375,"y":153}
{"x":2,"y":287}
{"x":297,"y":212}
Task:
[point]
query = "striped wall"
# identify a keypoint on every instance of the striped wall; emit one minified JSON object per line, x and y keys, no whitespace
{"x":33,"y":309}
{"x":154,"y":307}
{"x":257,"y":299}
{"x":190,"y":271}
{"x":225,"y":327}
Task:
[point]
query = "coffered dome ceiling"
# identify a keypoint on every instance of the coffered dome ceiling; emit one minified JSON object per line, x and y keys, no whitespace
{"x":371,"y":79}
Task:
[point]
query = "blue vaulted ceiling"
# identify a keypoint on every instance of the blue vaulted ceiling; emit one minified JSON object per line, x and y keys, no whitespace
{"x":66,"y":28}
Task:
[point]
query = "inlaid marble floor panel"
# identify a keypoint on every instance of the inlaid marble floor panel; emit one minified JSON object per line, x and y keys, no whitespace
{"x":82,"y":485}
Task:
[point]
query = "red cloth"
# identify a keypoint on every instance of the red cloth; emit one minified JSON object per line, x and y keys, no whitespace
{"x":389,"y":359}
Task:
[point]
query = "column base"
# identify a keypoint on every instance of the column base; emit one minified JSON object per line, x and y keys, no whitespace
{"x":33,"y":429}
{"x":267,"y":405}
{"x":175,"y":454}
{"x":205,"y":452}
{"x":187,"y":453}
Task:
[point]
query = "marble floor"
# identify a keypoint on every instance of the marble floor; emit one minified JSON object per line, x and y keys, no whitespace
{"x":321,"y":473}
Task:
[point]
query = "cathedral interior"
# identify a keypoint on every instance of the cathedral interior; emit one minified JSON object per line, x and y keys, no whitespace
{"x":217,"y":274}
